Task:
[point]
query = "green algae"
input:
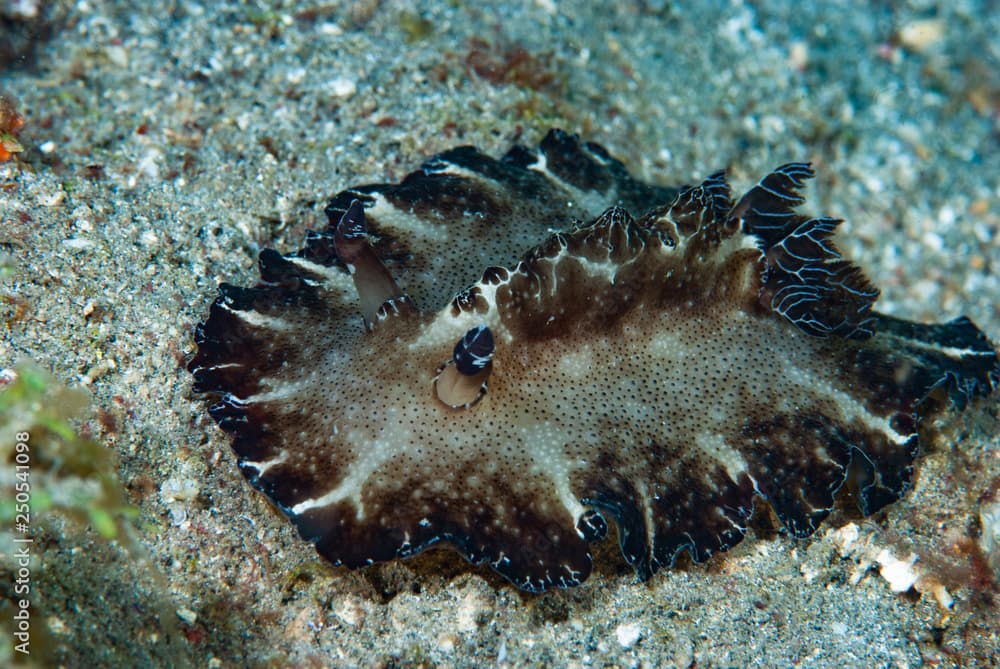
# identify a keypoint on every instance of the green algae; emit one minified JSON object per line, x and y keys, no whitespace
{"x":70,"y":474}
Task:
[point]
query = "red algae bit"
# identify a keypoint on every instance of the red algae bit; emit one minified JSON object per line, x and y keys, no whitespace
{"x":10,"y":123}
{"x":505,"y":63}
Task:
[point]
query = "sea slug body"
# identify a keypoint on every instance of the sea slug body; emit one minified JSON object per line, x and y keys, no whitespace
{"x":439,"y":366}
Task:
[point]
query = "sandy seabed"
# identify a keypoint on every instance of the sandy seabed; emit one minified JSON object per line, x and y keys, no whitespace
{"x":165,"y":148}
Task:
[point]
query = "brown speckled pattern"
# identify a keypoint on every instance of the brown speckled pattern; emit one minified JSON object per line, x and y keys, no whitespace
{"x":644,"y":369}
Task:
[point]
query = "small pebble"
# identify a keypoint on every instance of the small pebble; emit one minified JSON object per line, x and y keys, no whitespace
{"x":187,"y":615}
{"x":448,"y":642}
{"x":921,"y":35}
{"x":351,"y":611}
{"x":57,"y":626}
{"x":117,"y":56}
{"x":628,"y":634}
{"x":900,"y":574}
{"x":798,"y":55}
{"x":343,"y":87}
{"x":989,"y":521}
{"x":943,"y":597}
{"x":845,"y":537}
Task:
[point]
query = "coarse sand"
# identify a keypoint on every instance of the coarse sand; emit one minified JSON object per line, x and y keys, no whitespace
{"x":165,"y":147}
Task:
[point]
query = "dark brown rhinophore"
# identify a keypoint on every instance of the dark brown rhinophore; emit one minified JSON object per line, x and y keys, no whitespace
{"x":509,"y":397}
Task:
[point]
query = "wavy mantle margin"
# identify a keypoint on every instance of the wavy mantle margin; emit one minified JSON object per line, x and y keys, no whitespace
{"x":664,"y":365}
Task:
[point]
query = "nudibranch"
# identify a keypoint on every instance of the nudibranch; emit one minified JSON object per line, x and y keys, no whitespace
{"x":425,"y":372}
